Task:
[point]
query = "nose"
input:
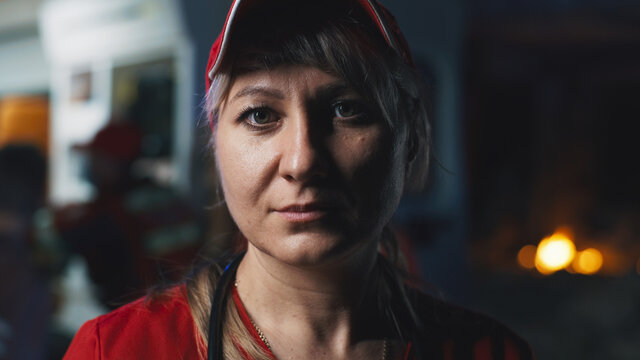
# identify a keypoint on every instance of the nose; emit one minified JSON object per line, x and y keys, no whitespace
{"x":303,"y":155}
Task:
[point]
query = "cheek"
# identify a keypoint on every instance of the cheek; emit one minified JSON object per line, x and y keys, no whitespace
{"x":244,"y":169}
{"x":375,"y":170}
{"x":374,"y":158}
{"x":233,"y":165}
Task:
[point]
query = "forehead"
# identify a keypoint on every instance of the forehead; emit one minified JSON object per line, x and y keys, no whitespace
{"x":285,"y":81}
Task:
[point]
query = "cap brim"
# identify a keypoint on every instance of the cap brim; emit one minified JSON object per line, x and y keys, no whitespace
{"x":239,"y":7}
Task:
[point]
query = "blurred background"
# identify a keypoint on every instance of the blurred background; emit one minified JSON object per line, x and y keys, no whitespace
{"x":532,"y":214}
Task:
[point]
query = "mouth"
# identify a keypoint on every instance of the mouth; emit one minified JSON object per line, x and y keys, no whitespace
{"x":307,"y":212}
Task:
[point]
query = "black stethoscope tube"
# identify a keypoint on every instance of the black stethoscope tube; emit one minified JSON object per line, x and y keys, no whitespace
{"x":214,"y":350}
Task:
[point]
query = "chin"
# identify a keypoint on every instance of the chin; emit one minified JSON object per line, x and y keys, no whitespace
{"x":312,"y":250}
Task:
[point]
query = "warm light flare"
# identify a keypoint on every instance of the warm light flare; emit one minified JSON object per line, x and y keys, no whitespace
{"x":527,"y":256}
{"x":588,"y":261}
{"x":558,"y":252}
{"x":554,"y":253}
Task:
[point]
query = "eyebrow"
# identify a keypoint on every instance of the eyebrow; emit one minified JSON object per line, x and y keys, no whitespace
{"x":325,"y":91}
{"x":258,"y":90}
{"x":333,"y":89}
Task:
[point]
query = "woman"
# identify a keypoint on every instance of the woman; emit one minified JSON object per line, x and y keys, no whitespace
{"x":318,"y":127}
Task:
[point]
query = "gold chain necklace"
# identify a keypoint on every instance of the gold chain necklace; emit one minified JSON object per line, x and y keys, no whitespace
{"x":266,"y":342}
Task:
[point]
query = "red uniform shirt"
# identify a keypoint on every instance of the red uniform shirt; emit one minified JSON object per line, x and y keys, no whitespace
{"x":163,"y":328}
{"x":159,"y":329}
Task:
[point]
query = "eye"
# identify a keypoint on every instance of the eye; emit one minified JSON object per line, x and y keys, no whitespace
{"x":257,"y":117}
{"x":260,"y":116}
{"x":346,"y":109}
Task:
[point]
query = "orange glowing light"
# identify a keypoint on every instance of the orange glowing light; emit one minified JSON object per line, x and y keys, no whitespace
{"x":25,"y":120}
{"x":554,"y":253}
{"x":527,"y":256}
{"x":588,"y":261}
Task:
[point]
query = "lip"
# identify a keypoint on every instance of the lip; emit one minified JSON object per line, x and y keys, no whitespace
{"x":307,"y":212}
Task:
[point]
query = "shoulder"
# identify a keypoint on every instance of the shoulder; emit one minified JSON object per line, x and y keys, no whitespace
{"x":158,"y":327}
{"x":456,"y":332}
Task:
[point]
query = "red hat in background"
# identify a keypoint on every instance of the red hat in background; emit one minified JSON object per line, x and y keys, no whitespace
{"x":120,"y":141}
{"x":379,"y":15}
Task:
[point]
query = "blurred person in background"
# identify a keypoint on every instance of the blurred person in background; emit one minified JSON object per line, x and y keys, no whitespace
{"x":26,"y":302}
{"x":318,"y":127}
{"x":134,"y":233}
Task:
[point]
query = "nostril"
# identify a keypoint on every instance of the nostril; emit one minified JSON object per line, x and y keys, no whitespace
{"x":303,"y":153}
{"x":303,"y":166}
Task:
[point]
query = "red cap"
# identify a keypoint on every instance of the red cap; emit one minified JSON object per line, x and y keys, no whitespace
{"x":380,"y":16}
{"x":120,"y":141}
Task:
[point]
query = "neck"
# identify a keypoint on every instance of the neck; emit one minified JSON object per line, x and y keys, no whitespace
{"x":319,"y":307}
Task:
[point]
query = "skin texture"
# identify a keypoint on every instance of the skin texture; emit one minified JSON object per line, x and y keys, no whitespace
{"x":346,"y":166}
{"x":310,"y":175}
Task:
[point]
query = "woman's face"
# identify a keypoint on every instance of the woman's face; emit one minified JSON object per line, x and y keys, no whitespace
{"x":310,"y":172}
